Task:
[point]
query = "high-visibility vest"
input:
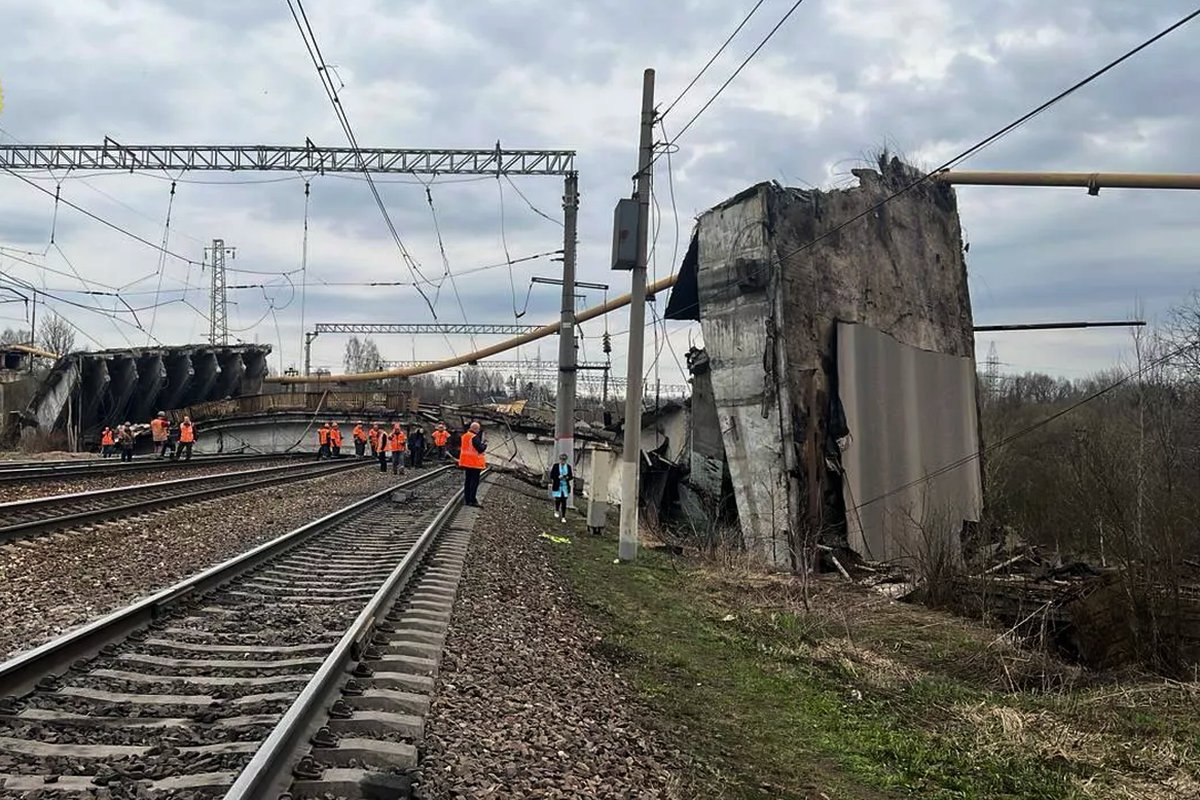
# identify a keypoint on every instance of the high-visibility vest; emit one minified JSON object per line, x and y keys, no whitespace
{"x":106,"y":438}
{"x":373,"y":437}
{"x":440,"y":437}
{"x":159,"y":428}
{"x":359,"y":434}
{"x":187,"y":432}
{"x":323,"y":435}
{"x":468,"y":456}
{"x":335,"y":437}
{"x":397,"y":441}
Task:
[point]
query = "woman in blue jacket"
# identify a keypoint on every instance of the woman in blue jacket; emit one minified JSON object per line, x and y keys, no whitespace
{"x":560,"y":486}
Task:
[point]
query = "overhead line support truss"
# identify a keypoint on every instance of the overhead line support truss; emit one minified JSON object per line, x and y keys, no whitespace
{"x":112,"y":155}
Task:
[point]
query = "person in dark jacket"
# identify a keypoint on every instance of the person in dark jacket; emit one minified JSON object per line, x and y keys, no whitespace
{"x":560,"y":478}
{"x":416,"y":447}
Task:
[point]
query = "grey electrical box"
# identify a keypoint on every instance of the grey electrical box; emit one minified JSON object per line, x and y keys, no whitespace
{"x":625,"y":222}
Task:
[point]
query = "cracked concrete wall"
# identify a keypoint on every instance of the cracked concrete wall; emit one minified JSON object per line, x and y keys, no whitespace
{"x":734,"y":309}
{"x":770,"y":296}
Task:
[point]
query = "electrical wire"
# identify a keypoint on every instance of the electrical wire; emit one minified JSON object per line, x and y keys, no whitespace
{"x":529,"y":203}
{"x":715,"y":56}
{"x":101,"y":220}
{"x":162,"y":260}
{"x":738,"y":71}
{"x":778,"y":259}
{"x":314,"y":51}
{"x":446,"y":271}
{"x":512,"y":286}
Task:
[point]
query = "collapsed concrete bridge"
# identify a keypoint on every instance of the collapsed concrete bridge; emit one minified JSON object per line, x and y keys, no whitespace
{"x":86,"y":391}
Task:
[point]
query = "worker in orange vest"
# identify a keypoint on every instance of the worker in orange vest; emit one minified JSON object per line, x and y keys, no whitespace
{"x":473,"y":462}
{"x":160,"y":432}
{"x":373,"y":439}
{"x":335,"y":440}
{"x":440,"y":437}
{"x":187,"y":437}
{"x":323,"y":441}
{"x":360,"y":439}
{"x":107,"y":439}
{"x":397,"y":445}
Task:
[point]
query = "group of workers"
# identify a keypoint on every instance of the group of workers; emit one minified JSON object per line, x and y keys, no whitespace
{"x":172,"y":442}
{"x":401,"y":447}
{"x":396,"y":445}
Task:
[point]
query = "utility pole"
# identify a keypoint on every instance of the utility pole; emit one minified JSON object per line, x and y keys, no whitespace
{"x":564,"y":408}
{"x":632,"y":455}
{"x":218,"y":315}
{"x":33,"y":328}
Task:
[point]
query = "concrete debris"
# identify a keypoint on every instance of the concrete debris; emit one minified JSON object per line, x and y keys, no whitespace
{"x":771,"y":274}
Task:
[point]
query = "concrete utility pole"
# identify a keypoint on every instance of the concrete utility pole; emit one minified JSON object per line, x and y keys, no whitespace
{"x":564,"y":407}
{"x":632,"y":455}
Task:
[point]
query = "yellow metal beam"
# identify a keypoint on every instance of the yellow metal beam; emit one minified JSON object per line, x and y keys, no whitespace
{"x":477,"y":355}
{"x":1092,"y":181}
{"x":33,"y":351}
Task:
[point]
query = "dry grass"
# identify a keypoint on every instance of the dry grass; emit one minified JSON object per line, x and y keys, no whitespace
{"x":1021,"y":702}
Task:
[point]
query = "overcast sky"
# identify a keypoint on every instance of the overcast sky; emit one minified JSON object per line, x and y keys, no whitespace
{"x":842,"y":77}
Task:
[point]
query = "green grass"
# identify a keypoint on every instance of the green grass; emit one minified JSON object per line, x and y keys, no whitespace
{"x":763,"y":711}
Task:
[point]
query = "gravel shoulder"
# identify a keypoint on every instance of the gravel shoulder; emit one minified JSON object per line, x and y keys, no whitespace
{"x":55,"y":583}
{"x":526,"y":705}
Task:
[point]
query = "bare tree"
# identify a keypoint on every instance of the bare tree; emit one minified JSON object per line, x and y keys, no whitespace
{"x":362,"y":356}
{"x":10,"y":336}
{"x":56,"y":335}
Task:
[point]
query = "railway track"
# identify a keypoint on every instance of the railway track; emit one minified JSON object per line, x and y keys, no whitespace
{"x":297,"y":665}
{"x":21,"y":471}
{"x":40,"y":515}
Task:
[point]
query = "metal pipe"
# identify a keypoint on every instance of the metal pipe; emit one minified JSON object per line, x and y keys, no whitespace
{"x":477,"y":355}
{"x":1092,"y":181}
{"x":1054,"y":326}
{"x":33,"y":351}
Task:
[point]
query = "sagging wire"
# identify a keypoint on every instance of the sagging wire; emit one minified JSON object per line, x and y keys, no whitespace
{"x":304,"y":266}
{"x":447,"y":273}
{"x":507,"y":256}
{"x":162,"y":258}
{"x":532,"y":207}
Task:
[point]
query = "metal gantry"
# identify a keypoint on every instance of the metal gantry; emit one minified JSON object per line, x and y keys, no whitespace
{"x":409,"y":328}
{"x":539,"y":370}
{"x":112,"y":155}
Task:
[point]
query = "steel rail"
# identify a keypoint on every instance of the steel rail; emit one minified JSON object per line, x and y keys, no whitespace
{"x":23,"y":672}
{"x":254,"y":479}
{"x":13,"y":472}
{"x":270,"y":770}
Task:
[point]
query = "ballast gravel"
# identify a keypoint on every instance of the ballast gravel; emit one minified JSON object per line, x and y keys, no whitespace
{"x":47,"y":487}
{"x":54,"y":583}
{"x":523,"y":707}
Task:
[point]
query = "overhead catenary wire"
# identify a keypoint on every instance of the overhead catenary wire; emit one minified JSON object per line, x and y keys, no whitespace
{"x":162,"y":259}
{"x":314,"y":52}
{"x":97,"y":218}
{"x":447,"y":272}
{"x":778,"y":259}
